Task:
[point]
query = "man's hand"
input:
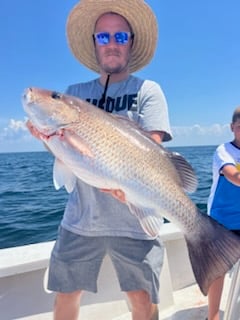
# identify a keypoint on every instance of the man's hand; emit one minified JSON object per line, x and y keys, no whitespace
{"x":37,"y":134}
{"x":34,"y":131}
{"x":117,"y":194}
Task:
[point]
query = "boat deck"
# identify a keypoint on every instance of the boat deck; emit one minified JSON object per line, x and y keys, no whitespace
{"x":189,"y":304}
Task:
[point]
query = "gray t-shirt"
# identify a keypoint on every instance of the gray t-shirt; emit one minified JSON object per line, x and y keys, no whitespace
{"x":89,"y":211}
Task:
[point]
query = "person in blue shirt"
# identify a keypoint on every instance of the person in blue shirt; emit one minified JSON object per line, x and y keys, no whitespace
{"x":223,"y":202}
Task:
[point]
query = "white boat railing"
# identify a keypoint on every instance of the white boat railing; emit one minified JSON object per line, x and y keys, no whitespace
{"x":23,"y":269}
{"x":23,"y":277}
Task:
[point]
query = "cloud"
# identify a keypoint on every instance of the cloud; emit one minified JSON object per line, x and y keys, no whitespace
{"x":198,"y":130}
{"x":14,"y":127}
{"x":14,"y":136}
{"x":201,"y":135}
{"x":17,"y":125}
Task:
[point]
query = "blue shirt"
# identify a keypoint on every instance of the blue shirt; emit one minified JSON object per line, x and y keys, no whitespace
{"x":224,"y":200}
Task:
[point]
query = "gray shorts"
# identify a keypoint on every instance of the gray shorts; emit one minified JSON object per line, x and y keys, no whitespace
{"x":76,"y":260}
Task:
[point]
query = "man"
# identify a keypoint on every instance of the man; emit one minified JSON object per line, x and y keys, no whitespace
{"x":113,"y":38}
{"x":223,"y":203}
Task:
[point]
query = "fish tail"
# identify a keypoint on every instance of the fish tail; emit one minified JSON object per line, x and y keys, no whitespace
{"x":213,"y":250}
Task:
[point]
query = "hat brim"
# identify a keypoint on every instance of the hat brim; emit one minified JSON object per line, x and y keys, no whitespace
{"x":81,"y":22}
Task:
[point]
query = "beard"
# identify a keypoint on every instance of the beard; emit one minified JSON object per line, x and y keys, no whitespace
{"x":111,"y":67}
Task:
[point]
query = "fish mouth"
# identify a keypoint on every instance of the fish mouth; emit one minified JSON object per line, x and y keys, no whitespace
{"x":33,"y":96}
{"x":27,"y":98}
{"x":33,"y":106}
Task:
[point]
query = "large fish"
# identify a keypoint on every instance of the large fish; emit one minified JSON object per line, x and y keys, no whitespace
{"x":90,"y":144}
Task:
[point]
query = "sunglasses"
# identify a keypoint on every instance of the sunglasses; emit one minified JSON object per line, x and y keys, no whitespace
{"x":120,"y":37}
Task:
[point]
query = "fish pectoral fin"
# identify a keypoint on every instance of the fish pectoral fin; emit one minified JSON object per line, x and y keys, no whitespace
{"x":149,"y":220}
{"x":187,"y":175}
{"x":77,"y":143}
{"x":63,"y":176}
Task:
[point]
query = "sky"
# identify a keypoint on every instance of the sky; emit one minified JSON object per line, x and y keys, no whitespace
{"x":197,"y":64}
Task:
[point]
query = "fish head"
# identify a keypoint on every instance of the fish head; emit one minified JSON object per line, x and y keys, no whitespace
{"x":49,"y":111}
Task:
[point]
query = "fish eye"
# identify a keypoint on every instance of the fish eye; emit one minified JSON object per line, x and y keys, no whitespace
{"x":56,"y":95}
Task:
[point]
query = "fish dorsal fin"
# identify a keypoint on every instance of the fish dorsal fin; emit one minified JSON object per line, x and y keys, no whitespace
{"x":63,"y":176}
{"x":185,"y":171}
{"x":150,"y":222}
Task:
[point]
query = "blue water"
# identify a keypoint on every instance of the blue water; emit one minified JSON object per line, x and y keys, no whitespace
{"x":31,"y":208}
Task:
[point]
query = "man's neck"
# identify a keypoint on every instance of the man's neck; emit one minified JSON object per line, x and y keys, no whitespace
{"x":114,"y":77}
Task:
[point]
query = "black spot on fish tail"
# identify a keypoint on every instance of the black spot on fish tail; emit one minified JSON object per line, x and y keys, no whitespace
{"x":213,"y":250}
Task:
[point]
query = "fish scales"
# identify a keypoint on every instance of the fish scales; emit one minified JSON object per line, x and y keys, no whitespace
{"x":135,"y":170}
{"x":91,"y":145}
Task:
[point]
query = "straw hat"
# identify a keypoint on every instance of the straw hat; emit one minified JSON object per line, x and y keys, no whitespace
{"x":81,"y":22}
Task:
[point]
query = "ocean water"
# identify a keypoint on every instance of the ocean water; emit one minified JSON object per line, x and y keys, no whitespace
{"x":31,"y":209}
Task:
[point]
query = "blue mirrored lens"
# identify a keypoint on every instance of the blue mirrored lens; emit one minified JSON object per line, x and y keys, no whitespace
{"x":102,"y":38}
{"x":121,"y":37}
